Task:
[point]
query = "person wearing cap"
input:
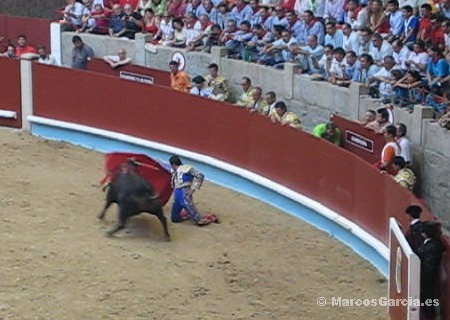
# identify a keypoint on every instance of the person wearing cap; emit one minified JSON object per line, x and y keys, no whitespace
{"x":430,"y":254}
{"x":179,"y":80}
{"x":414,"y":233}
{"x":199,"y":88}
{"x":185,"y":181}
{"x":81,"y":54}
{"x":405,"y":176}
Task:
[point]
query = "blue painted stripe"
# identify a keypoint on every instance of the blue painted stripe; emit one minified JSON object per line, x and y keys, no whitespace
{"x":228,"y":180}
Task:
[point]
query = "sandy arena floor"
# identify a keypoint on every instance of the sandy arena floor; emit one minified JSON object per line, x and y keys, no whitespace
{"x":259,"y":263}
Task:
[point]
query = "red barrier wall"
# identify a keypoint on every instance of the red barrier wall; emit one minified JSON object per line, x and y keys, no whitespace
{"x":10,"y":97}
{"x":311,"y":166}
{"x":36,"y":30}
{"x":161,"y":78}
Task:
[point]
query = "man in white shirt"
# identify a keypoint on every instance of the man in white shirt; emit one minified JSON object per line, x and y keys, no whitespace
{"x":337,"y":66}
{"x":381,"y":48}
{"x":44,"y":57}
{"x":351,"y":38}
{"x":401,"y":54}
{"x":403,"y":142}
{"x":118,"y":60}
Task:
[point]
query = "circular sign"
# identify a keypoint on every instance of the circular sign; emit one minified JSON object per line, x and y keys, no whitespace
{"x":179,"y":57}
{"x":398,"y":270}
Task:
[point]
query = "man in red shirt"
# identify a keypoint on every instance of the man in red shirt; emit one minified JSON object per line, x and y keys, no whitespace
{"x":22,"y":49}
{"x":425,"y":21}
{"x":134,"y":3}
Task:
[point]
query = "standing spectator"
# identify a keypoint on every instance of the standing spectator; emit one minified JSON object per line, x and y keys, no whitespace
{"x":414,"y":233}
{"x":403,"y":142}
{"x":179,"y":80}
{"x":217,"y":82}
{"x":246,"y":96}
{"x":390,"y":150}
{"x":116,"y":61}
{"x":284,"y":117}
{"x":81,"y":54}
{"x":45,"y":57}
{"x":328,"y":131}
{"x":23,"y":50}
{"x":430,"y":254}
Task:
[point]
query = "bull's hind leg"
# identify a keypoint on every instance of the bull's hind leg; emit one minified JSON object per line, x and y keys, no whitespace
{"x":109,"y":200}
{"x":163,"y":219}
{"x":120,"y":225}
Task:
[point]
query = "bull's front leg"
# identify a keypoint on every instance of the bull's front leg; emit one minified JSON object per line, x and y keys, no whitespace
{"x":109,"y":200}
{"x":120,"y":225}
{"x":163,"y":220}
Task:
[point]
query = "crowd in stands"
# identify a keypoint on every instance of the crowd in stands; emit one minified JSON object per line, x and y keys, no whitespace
{"x":399,"y":49}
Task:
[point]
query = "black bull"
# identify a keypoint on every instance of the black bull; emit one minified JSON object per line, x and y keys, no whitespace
{"x":133,"y":194}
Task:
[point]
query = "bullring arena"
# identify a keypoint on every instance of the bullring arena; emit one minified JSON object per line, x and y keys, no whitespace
{"x":261,"y":262}
{"x":59,"y":265}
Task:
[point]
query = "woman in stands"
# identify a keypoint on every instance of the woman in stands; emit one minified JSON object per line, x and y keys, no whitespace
{"x":150,"y":22}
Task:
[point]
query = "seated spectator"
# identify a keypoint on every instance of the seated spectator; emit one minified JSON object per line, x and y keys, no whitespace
{"x":366,"y":71}
{"x":396,"y":20}
{"x":351,"y":38}
{"x":334,"y":10}
{"x":405,"y":176}
{"x":10,"y":52}
{"x":312,"y":26}
{"x":333,"y":36}
{"x":355,"y":17}
{"x":165,"y":32}
{"x":286,"y":118}
{"x":150,"y":22}
{"x":424,"y":22}
{"x":443,"y":8}
{"x":72,"y":14}
{"x":179,"y":34}
{"x":159,"y":7}
{"x":223,"y":16}
{"x":378,"y":20}
{"x":351,"y":66}
{"x":324,"y":64}
{"x":385,"y":79}
{"x":237,"y":40}
{"x":241,"y":12}
{"x":300,"y":6}
{"x":144,"y":5}
{"x":430,"y":255}
{"x":116,"y":26}
{"x":278,"y":52}
{"x":365,"y":43}
{"x":390,"y":151}
{"x":368,"y":117}
{"x":199,"y":88}
{"x":230,"y":28}
{"x":337,"y":68}
{"x":401,"y":54}
{"x":218,"y":83}
{"x":179,"y":80}
{"x":404,"y":144}
{"x":176,"y":8}
{"x":381,"y":121}
{"x":279,"y":18}
{"x":45,"y":57}
{"x":309,"y":56}
{"x":411,"y":27}
{"x":258,"y":104}
{"x":260,"y":40}
{"x":101,"y":20}
{"x":380,"y":49}
{"x":437,"y":76}
{"x":408,"y":90}
{"x":414,"y":233}
{"x":271,"y":99}
{"x":116,"y":61}
{"x":418,"y":58}
{"x":246,"y":96}
{"x":133,"y":21}
{"x":23,"y":50}
{"x":328,"y":131}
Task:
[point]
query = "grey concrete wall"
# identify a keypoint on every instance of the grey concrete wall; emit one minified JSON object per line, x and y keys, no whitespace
{"x":313,"y":101}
